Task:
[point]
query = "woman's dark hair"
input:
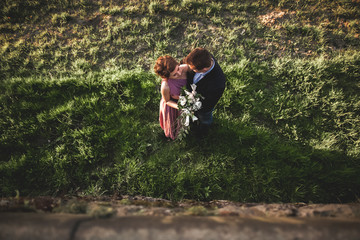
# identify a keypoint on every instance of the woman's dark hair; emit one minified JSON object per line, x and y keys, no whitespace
{"x":165,"y":65}
{"x":200,"y":58}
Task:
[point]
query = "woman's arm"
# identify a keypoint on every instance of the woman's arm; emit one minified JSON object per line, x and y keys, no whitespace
{"x":165,"y":93}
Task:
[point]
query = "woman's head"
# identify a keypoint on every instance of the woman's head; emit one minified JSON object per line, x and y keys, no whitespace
{"x":165,"y":66}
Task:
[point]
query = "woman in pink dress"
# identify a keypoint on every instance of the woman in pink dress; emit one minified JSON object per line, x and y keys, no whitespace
{"x":173,"y":79}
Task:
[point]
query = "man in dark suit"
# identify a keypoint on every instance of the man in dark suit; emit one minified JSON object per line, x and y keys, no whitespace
{"x":209,"y":79}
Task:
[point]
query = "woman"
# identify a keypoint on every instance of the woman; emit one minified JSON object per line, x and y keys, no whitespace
{"x":173,"y":79}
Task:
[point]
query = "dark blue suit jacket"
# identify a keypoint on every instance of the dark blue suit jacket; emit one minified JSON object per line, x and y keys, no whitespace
{"x":211,"y":87}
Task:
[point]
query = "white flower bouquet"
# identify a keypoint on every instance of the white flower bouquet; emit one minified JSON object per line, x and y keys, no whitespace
{"x":189,"y":103}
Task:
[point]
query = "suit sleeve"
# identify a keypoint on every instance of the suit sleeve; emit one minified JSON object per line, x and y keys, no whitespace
{"x":211,"y":99}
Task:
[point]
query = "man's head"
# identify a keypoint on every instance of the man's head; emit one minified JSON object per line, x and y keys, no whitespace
{"x":198,"y":59}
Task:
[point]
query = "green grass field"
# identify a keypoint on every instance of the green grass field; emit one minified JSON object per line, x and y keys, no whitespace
{"x":79,"y":101}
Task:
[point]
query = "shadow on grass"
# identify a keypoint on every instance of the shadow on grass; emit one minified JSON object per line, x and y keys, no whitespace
{"x":246,"y":163}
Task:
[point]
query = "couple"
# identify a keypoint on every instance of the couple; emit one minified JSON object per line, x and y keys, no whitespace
{"x":201,"y":69}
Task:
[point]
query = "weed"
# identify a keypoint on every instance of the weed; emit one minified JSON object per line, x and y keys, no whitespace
{"x":155,"y":7}
{"x":60,"y":19}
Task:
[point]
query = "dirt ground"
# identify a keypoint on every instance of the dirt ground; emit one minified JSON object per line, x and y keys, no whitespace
{"x":107,"y":206}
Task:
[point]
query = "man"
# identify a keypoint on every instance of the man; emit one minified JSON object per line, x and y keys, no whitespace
{"x":209,"y":79}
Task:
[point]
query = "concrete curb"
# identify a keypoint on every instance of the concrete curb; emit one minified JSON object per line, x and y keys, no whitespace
{"x":39,"y":226}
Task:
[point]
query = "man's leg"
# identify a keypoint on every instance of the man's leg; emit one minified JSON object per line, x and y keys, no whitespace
{"x":205,"y":119}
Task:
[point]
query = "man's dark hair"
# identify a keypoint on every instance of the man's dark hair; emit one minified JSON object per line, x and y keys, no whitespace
{"x":200,"y":58}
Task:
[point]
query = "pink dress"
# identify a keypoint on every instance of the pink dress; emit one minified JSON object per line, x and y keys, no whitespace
{"x":168,"y":116}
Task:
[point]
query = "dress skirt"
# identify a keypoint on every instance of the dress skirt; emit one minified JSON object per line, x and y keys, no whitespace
{"x":169,"y":120}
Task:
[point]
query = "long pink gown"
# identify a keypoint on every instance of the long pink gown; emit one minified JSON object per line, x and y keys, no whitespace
{"x":168,"y":116}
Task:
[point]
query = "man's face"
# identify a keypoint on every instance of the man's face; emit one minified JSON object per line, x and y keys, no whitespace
{"x":192,"y":67}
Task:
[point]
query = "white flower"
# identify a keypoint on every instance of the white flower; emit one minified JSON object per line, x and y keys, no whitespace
{"x":197,"y":105}
{"x":182,"y":100}
{"x":185,"y":111}
{"x":194,"y":118}
{"x":187,"y":92}
{"x":187,"y":121}
{"x":192,"y":98}
{"x":193,"y":87}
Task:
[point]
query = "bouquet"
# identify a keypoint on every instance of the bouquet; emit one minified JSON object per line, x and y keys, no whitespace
{"x":189,"y":103}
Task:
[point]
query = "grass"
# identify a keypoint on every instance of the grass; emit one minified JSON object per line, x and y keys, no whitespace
{"x":79,"y":101}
